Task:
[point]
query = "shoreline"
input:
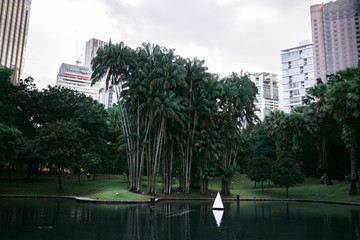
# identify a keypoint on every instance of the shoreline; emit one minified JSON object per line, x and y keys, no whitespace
{"x":125,"y":202}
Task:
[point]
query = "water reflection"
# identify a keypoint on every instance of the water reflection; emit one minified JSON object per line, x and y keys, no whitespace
{"x":218,"y":217}
{"x":60,"y":219}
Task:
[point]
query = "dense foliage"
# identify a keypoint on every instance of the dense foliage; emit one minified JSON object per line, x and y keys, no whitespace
{"x":174,"y":119}
{"x":322,"y":135}
{"x":174,"y":113}
{"x":57,"y":129}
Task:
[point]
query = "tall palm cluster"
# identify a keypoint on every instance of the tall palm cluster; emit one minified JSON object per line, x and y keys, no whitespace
{"x":175,"y":116}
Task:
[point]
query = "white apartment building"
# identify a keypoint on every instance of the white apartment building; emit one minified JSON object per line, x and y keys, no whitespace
{"x":268,"y":93}
{"x":77,"y":78}
{"x":297,"y":65}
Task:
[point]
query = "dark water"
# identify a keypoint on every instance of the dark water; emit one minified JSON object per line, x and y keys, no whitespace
{"x":66,"y":219}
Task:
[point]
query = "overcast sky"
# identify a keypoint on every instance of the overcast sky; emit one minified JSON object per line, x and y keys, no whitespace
{"x":230,"y":35}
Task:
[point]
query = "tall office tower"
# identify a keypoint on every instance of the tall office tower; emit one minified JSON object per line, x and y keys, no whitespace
{"x":268,"y":93}
{"x":91,"y":48}
{"x":14,"y":26}
{"x":77,"y":78}
{"x":336,"y":36}
{"x":297,"y":65}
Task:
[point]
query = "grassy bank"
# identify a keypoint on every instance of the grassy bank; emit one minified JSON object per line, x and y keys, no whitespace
{"x":116,"y":188}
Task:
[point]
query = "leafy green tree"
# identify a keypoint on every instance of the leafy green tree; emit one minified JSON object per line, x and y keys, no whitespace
{"x":257,"y":144}
{"x":6,"y":91}
{"x":259,"y":170}
{"x":61,"y":144}
{"x":285,"y":172}
{"x":29,"y":152}
{"x":92,"y":162}
{"x":9,"y":142}
{"x":275,"y":125}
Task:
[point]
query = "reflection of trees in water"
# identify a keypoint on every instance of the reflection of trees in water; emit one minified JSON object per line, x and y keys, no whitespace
{"x":178,"y":220}
{"x":355,"y":222}
{"x":80,"y":215}
{"x":175,"y":221}
{"x":134,"y":223}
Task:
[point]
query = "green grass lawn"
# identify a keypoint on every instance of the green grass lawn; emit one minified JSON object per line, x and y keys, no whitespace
{"x":116,"y":188}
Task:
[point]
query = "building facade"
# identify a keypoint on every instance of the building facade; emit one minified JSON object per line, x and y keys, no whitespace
{"x":14,"y":26}
{"x":336,"y":36}
{"x":105,"y":96}
{"x":297,"y":65}
{"x":268,"y":93}
{"x":77,"y":78}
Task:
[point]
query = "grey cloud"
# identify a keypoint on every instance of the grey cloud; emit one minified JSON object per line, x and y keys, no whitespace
{"x":205,"y":23}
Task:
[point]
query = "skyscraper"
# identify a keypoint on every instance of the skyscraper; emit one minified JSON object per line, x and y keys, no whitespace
{"x":268,"y":93}
{"x":336,"y":36}
{"x":297,"y":67}
{"x":105,"y":96}
{"x":14,"y":25}
{"x":91,"y":48}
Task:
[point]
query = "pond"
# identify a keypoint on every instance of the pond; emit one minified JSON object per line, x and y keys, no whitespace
{"x":68,"y":219}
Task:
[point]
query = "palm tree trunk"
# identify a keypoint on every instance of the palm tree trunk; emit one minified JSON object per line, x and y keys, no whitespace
{"x":60,"y":171}
{"x":170,"y":167}
{"x":287,"y":192}
{"x":324,"y":155}
{"x":137,"y":162}
{"x":353,"y":189}
{"x":140,"y":172}
{"x":157,"y":156}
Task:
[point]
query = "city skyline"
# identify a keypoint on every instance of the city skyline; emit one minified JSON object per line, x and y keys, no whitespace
{"x":229,"y":35}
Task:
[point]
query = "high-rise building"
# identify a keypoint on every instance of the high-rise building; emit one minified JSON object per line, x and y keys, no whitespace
{"x":336,"y":36}
{"x":14,"y":25}
{"x":297,"y":65}
{"x":91,"y":49}
{"x":77,"y":78}
{"x":268,"y":93}
{"x":106,"y":96}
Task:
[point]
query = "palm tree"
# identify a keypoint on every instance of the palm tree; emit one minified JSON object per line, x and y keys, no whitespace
{"x":195,"y":76}
{"x":238,"y":112}
{"x":114,"y":62}
{"x":208,"y":143}
{"x":275,"y":127}
{"x":343,"y":101}
{"x":318,"y":118}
